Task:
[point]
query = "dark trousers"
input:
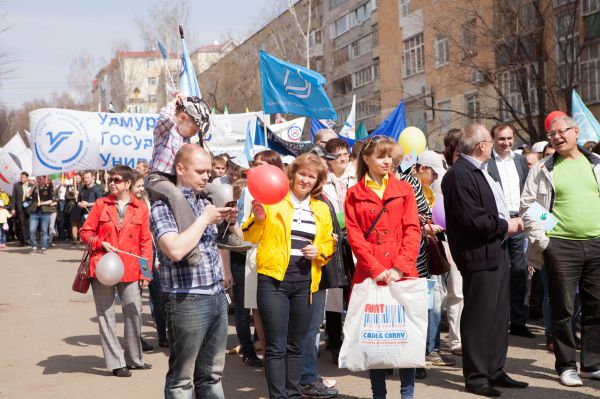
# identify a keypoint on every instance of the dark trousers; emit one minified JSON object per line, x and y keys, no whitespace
{"x":157,"y":304}
{"x":22,"y":225}
{"x":241,"y":314}
{"x":285,"y":311}
{"x":519,"y":309}
{"x":333,"y":328}
{"x":484,"y":322}
{"x":571,"y":264}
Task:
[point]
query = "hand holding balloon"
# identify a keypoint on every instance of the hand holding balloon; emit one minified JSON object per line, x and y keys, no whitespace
{"x":259,"y":210}
{"x":107,"y":247}
{"x":268,"y":184}
{"x":110,"y":269}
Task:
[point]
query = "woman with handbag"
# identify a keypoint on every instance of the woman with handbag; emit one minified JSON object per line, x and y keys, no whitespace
{"x":294,"y":240}
{"x":119,"y":223}
{"x":383,"y":229}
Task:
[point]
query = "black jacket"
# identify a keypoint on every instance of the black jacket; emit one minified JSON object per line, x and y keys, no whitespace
{"x":16,"y":201}
{"x":338,"y":271}
{"x":475,"y":231}
{"x":522,"y":170}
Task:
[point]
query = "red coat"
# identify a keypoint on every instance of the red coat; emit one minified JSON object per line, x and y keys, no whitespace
{"x":134,"y":236}
{"x":394,"y":242}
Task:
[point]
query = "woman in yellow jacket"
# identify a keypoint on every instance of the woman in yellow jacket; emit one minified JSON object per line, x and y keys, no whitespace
{"x":295,"y":239}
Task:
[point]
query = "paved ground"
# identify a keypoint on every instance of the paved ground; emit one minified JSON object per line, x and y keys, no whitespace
{"x":50,"y":348}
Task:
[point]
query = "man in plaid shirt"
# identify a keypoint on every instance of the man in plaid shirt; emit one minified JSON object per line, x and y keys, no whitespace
{"x":178,"y":122}
{"x":197,"y":310}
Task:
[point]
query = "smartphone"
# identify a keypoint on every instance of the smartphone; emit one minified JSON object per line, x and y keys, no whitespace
{"x":231,"y":204}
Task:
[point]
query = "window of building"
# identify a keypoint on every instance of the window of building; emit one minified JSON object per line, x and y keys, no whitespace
{"x":340,"y":56}
{"x":404,"y":6}
{"x":528,"y":16}
{"x":510,"y":84}
{"x":151,"y":98}
{"x":342,"y":115}
{"x":314,"y":37}
{"x":472,"y":107}
{"x":316,"y":64}
{"x":152,"y":81}
{"x":590,"y":6}
{"x":353,"y":18}
{"x":414,"y":55}
{"x":363,"y":76}
{"x":151,"y":62}
{"x":470,"y":38}
{"x":343,"y":85}
{"x":567,"y":35}
{"x":334,"y":3}
{"x":590,"y":73}
{"x":362,"y":45}
{"x":442,"y":55}
{"x":444,"y":115}
{"x":365,"y":109}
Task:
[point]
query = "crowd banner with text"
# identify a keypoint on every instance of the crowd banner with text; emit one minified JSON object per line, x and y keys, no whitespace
{"x":65,"y":140}
{"x":293,"y":89}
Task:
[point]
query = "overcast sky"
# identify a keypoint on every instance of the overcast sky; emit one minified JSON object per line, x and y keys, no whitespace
{"x":44,"y":36}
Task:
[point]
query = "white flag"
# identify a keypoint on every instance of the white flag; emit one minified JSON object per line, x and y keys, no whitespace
{"x":9,"y":171}
{"x":349,"y":128}
{"x":290,"y":130}
{"x":20,"y":153}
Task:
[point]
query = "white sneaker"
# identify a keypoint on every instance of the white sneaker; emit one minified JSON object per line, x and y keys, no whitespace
{"x":328,"y":382}
{"x":590,"y":375}
{"x":570,"y":378}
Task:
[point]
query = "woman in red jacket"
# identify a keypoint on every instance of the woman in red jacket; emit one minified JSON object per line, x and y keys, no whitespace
{"x":119,"y":222}
{"x":383,"y":230}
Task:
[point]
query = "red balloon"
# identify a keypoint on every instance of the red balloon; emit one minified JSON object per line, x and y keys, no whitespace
{"x":551,"y":116}
{"x":268,"y":184}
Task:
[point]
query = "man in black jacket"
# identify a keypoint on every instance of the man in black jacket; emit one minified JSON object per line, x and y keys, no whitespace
{"x":478,"y":222}
{"x":510,"y":171}
{"x":18,"y":210}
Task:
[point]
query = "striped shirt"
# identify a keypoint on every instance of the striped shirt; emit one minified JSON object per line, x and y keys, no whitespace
{"x":303,"y":233}
{"x":167,"y":142}
{"x":179,"y":277}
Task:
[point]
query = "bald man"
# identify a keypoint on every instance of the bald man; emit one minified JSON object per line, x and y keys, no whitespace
{"x":197,"y":310}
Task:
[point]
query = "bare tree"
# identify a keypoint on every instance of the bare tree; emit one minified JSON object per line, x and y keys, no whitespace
{"x":305,"y":35}
{"x":162,"y":20}
{"x":82,"y":71}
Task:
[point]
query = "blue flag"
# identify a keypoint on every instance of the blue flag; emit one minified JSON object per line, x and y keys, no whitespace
{"x":393,"y":125}
{"x":249,"y":144}
{"x":589,"y":128}
{"x":162,"y":49}
{"x":293,"y":89}
{"x":188,"y":84}
{"x":315,"y":126}
{"x":260,"y":133}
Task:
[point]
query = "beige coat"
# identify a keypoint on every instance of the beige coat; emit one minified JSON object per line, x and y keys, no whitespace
{"x":539,"y":187}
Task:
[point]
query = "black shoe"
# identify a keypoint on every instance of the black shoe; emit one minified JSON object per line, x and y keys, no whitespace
{"x":145,"y":366}
{"x":253,"y":361}
{"x":505,"y":381}
{"x":122,"y":372}
{"x":421,"y":374}
{"x":521,"y":331}
{"x":335,"y":354}
{"x":163,"y":343}
{"x":145,"y":345}
{"x":483,"y":390}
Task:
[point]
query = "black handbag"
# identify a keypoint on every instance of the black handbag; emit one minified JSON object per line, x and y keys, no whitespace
{"x":437,"y":263}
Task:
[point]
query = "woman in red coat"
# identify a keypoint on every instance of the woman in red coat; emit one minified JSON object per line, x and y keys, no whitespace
{"x":119,"y":222}
{"x":386,"y":246}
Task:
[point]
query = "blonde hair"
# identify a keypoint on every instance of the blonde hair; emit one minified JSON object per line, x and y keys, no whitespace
{"x":309,"y":161}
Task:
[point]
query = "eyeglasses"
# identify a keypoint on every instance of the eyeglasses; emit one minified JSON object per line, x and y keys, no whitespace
{"x":115,"y":180}
{"x":561,"y":132}
{"x":375,"y":139}
{"x":340,"y":155}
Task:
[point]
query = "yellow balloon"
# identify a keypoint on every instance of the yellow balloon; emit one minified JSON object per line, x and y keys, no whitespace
{"x":412,"y":139}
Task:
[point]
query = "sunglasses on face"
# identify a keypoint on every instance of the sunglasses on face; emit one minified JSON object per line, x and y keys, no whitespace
{"x":115,"y":180}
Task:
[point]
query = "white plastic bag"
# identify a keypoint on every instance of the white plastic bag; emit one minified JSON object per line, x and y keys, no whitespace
{"x":386,"y":326}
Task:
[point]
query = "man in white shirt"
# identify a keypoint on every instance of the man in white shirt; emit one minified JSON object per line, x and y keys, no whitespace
{"x":510,"y":171}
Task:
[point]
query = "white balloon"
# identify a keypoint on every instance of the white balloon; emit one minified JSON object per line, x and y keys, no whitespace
{"x":110,"y":269}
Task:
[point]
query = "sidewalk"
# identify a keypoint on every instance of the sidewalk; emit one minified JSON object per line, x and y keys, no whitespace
{"x":50,"y":347}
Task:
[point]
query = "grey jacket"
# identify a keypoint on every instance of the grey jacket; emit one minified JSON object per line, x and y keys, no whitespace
{"x":539,"y":187}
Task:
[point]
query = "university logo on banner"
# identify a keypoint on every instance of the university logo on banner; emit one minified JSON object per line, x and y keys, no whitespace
{"x":61,"y":142}
{"x":290,"y":130}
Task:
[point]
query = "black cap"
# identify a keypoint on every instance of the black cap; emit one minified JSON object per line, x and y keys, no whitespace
{"x":198,"y":110}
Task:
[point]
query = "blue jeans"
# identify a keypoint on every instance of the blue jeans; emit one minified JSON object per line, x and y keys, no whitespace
{"x":435,"y":315}
{"x":407,"y":380}
{"x":311,"y":341}
{"x":546,"y":306}
{"x":284,"y":307}
{"x":156,"y":303}
{"x":197,"y":338}
{"x":3,"y":235}
{"x":34,"y":220}
{"x":241,"y":314}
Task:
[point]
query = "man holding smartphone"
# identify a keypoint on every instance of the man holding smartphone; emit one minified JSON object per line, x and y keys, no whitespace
{"x":197,"y":306}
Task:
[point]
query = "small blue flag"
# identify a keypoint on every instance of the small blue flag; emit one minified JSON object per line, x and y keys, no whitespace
{"x":188,"y":83}
{"x":315,"y":126}
{"x":260,"y":133}
{"x":393,"y":125}
{"x":589,"y":128}
{"x":162,"y":49}
{"x":145,"y":268}
{"x":293,"y":89}
{"x":249,"y":144}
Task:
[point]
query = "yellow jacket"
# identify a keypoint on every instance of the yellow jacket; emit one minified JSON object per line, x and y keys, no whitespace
{"x":5,"y":198}
{"x":273,"y":236}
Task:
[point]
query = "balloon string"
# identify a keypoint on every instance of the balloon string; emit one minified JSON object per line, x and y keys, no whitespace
{"x":128,"y":253}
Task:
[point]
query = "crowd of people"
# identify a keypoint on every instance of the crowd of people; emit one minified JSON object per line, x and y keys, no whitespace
{"x":350,"y":214}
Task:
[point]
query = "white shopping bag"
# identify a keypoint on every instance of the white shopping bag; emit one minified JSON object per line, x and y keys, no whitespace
{"x":386,"y":326}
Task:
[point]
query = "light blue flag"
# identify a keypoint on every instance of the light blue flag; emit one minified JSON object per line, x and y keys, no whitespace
{"x":162,"y":49}
{"x":188,"y":83}
{"x":293,"y":89}
{"x":249,"y":145}
{"x":589,"y":128}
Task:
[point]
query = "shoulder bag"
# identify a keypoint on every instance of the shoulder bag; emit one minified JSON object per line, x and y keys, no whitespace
{"x":81,"y":283}
{"x":438,"y":263}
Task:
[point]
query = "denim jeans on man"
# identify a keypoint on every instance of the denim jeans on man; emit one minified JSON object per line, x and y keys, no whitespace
{"x":571,"y":264}
{"x":241,"y":314}
{"x":35,"y":219}
{"x":157,"y":299}
{"x":310,"y":350}
{"x":197,"y":338}
{"x":3,"y":235}
{"x":435,"y":314}
{"x":407,"y":381}
{"x":285,"y":308}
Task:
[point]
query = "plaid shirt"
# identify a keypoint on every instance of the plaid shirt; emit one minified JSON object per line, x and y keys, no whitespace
{"x":178,"y":276}
{"x":167,"y":142}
